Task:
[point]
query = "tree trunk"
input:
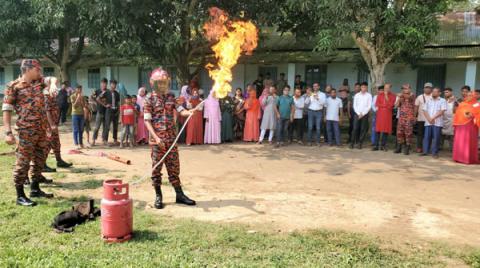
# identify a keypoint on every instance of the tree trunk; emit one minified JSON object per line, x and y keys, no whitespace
{"x":377,"y":75}
{"x":64,"y":73}
{"x":375,"y":61}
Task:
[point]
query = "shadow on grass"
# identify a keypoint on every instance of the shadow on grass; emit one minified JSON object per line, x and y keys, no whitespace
{"x":207,"y":205}
{"x":90,"y":171}
{"x":145,"y":235}
{"x":81,"y":185}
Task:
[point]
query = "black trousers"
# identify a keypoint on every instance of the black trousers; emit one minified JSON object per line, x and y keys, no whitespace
{"x":111,"y":117}
{"x":63,"y":114}
{"x":360,"y":129}
{"x":420,"y":133}
{"x":350,"y":126}
{"x":296,"y":126}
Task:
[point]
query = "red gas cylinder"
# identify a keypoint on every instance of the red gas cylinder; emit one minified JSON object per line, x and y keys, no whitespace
{"x":117,"y":217}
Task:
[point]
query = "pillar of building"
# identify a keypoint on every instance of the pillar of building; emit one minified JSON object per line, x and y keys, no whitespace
{"x":471,"y":73}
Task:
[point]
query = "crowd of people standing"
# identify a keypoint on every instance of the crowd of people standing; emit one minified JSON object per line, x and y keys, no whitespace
{"x":273,"y":111}
{"x":265,"y":111}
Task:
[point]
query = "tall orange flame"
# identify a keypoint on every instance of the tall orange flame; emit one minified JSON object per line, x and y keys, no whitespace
{"x":233,"y":38}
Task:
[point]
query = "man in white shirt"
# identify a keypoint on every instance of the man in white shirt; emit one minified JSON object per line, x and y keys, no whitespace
{"x":315,"y":103}
{"x":433,"y":111}
{"x":362,"y":103}
{"x":334,"y":107}
{"x":297,"y":125}
{"x":419,"y":104}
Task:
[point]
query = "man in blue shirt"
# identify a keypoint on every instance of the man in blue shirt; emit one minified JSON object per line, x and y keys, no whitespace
{"x":285,"y":110}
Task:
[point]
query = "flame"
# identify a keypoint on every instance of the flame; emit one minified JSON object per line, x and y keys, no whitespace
{"x":233,"y":38}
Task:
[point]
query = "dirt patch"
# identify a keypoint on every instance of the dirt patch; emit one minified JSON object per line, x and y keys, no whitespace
{"x":298,"y":188}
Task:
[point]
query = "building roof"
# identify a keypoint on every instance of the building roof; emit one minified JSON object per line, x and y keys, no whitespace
{"x":458,"y":38}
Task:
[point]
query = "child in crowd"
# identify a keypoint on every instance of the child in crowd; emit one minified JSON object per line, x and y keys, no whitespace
{"x":137,"y":114}
{"x":127,"y":115}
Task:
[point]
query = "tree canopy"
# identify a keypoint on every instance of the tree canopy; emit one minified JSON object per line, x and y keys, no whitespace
{"x":165,"y":31}
{"x":383,"y":30}
{"x":55,"y":29}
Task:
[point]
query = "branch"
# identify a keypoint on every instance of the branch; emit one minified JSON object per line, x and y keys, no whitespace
{"x":400,"y":4}
{"x":78,"y":53}
{"x":367,"y":50}
{"x":186,"y":31}
{"x":199,"y":66}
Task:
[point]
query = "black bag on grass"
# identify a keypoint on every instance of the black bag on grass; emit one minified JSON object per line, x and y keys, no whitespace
{"x":81,"y":212}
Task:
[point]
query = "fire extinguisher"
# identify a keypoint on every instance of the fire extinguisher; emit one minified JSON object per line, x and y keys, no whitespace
{"x":117,"y":217}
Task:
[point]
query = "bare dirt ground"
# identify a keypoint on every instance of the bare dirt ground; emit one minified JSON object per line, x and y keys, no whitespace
{"x":299,"y":188}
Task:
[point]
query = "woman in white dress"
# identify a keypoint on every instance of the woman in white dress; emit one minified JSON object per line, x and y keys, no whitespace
{"x":270,"y":112}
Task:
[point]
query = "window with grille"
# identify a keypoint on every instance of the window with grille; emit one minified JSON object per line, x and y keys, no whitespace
{"x":94,"y":78}
{"x":316,"y":74}
{"x":432,"y":73}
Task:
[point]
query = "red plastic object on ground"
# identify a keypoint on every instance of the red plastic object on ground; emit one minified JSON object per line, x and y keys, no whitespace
{"x":117,"y":217}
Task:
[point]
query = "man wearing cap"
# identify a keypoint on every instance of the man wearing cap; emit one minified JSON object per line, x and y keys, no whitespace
{"x":159,"y":110}
{"x":419,"y":105}
{"x":25,"y":97}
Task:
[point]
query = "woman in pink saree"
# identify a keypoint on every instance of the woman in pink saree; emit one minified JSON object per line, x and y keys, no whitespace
{"x":466,"y":123}
{"x":142,"y":131}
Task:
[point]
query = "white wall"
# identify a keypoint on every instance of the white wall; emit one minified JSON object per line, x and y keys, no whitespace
{"x":477,"y":84}
{"x":128,"y":76}
{"x":238,"y":73}
{"x":300,"y":69}
{"x":455,"y":76}
{"x":251,"y":73}
{"x":8,"y":72}
{"x":336,"y":72}
{"x":82,"y":79}
{"x":399,"y":74}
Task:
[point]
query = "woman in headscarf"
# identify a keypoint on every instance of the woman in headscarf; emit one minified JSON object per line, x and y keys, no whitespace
{"x":227,"y":107}
{"x":213,"y":118}
{"x":142,"y":131}
{"x":252,"y":123}
{"x":239,"y":116}
{"x":195,"y":125}
{"x":466,"y":123}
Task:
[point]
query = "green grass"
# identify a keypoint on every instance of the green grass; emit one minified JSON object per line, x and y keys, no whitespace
{"x":26,"y":240}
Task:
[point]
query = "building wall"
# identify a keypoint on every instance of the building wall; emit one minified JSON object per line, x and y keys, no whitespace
{"x":243,"y":74}
{"x":399,"y":74}
{"x":82,"y":79}
{"x":455,"y":77}
{"x":477,"y":84}
{"x":336,"y":72}
{"x":128,"y":76}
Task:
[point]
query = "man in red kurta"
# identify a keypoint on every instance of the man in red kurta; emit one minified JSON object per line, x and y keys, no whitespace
{"x":385,"y":103}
